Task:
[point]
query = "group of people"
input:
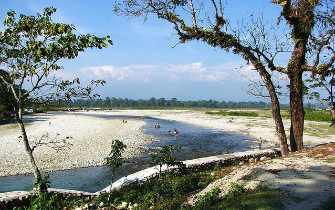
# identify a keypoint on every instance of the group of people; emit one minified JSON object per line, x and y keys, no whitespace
{"x":157,"y":125}
{"x":175,"y":131}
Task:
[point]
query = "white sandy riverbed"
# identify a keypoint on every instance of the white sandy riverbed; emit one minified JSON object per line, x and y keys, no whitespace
{"x":92,"y":136}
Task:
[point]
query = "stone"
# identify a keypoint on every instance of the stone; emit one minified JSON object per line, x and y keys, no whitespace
{"x":263,"y":158}
{"x":123,"y":205}
{"x":251,"y":160}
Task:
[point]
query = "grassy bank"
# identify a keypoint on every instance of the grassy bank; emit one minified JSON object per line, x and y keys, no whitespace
{"x":310,"y":114}
{"x":170,"y":191}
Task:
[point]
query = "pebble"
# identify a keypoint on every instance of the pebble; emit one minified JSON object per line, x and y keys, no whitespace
{"x":90,"y":143}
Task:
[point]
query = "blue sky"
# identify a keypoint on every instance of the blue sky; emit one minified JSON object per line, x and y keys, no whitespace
{"x":142,"y":63}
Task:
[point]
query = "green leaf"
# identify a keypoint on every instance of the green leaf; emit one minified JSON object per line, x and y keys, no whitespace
{"x":283,"y":3}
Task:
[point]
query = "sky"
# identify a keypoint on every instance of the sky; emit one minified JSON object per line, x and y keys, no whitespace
{"x":143,"y":62}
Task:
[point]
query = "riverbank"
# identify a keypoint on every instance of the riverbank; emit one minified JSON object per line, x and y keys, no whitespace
{"x":90,"y":142}
{"x":92,"y":136}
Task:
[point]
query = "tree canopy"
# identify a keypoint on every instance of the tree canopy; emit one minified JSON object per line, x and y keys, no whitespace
{"x":30,"y":48}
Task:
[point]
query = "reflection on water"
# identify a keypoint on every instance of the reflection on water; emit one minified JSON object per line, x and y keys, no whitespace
{"x":195,"y":142}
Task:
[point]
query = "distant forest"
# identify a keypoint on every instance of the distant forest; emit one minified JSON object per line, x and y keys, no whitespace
{"x":161,"y":102}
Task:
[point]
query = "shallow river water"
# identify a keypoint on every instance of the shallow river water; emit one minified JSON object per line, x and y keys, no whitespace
{"x":195,"y":142}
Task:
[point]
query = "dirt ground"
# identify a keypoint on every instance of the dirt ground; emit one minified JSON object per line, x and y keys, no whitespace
{"x":307,"y":177}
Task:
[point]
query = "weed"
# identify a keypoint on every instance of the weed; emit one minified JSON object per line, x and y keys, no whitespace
{"x":208,"y":199}
{"x":331,"y":160}
{"x":259,"y":198}
{"x":234,"y":113}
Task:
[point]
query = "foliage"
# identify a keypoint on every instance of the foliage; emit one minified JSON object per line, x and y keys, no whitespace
{"x":165,"y":156}
{"x":259,"y":198}
{"x":115,"y":159}
{"x":171,"y":193}
{"x":318,"y":115}
{"x":234,"y":113}
{"x":30,"y":49}
{"x":331,"y":160}
{"x":34,"y":60}
{"x":205,"y":201}
{"x":52,"y":201}
{"x":162,"y":103}
{"x":234,"y":192}
{"x":42,"y":183}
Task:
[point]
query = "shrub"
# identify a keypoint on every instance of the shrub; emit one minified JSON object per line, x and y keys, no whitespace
{"x":234,"y":113}
{"x":207,"y":200}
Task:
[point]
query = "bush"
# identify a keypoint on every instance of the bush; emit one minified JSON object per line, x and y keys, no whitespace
{"x":52,"y":201}
{"x":318,"y":115}
{"x":209,"y":199}
{"x":234,"y":113}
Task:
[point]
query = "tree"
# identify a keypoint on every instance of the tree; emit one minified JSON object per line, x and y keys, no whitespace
{"x":326,"y":81}
{"x":215,"y":35}
{"x":115,"y":159}
{"x":5,"y":104}
{"x":258,"y":44}
{"x":30,"y":48}
{"x":322,"y":68}
{"x":165,"y":157}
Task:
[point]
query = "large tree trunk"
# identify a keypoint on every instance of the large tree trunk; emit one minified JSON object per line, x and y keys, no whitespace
{"x":300,"y":15}
{"x":275,"y":110}
{"x":279,"y":127}
{"x":28,"y":149}
{"x":333,"y":112}
{"x":296,"y":95}
{"x":297,"y":112}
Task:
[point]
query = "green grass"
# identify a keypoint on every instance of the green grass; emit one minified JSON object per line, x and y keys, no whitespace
{"x":260,"y":198}
{"x":318,"y":115}
{"x":319,"y":130}
{"x":310,"y":114}
{"x":331,"y":161}
{"x":233,"y":113}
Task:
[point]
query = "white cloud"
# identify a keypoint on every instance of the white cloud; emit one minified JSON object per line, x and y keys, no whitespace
{"x":146,"y":73}
{"x":138,"y":72}
{"x":188,"y":68}
{"x":213,"y":76}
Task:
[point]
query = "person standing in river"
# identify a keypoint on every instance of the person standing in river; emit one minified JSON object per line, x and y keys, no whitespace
{"x":260,"y":141}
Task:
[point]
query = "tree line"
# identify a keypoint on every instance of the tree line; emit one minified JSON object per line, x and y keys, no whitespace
{"x":161,"y":102}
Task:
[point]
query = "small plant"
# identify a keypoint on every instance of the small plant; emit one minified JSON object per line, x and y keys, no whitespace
{"x":234,"y":192}
{"x":42,"y":183}
{"x":115,"y":159}
{"x":331,"y":160}
{"x":234,"y":113}
{"x":209,"y":199}
{"x":165,"y":156}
